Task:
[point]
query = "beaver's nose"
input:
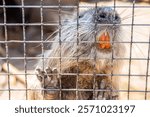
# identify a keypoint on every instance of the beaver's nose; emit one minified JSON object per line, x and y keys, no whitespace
{"x":106,"y":15}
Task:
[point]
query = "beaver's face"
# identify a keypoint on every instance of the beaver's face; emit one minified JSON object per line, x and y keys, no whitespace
{"x":93,"y":33}
{"x":103,"y":25}
{"x":89,"y":36}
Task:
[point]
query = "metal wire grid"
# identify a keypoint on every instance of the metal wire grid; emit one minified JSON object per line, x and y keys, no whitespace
{"x":25,"y":58}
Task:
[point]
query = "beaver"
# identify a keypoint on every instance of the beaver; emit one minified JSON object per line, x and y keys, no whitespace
{"x":80,"y":62}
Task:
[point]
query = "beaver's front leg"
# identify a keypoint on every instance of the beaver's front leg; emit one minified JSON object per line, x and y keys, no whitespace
{"x":107,"y":91}
{"x":49,"y":82}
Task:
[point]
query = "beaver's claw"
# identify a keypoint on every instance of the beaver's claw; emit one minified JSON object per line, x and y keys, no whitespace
{"x":49,"y":79}
{"x":107,"y":92}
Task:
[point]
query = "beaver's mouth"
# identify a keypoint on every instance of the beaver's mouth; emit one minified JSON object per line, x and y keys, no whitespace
{"x":103,"y":41}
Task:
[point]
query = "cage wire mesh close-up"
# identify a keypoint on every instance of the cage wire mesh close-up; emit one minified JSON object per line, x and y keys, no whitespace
{"x":74,"y":49}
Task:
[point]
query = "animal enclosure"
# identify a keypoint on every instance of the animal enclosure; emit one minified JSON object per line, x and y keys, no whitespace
{"x":111,"y":52}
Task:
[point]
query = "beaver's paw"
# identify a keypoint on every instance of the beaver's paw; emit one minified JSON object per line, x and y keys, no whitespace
{"x":108,"y":92}
{"x":49,"y":80}
{"x":48,"y":77}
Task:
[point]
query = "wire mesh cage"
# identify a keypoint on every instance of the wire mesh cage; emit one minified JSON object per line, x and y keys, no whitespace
{"x":74,"y":49}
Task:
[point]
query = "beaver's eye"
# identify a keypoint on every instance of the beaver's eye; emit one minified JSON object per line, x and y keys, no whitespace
{"x":116,"y":17}
{"x":80,"y":16}
{"x":102,"y":15}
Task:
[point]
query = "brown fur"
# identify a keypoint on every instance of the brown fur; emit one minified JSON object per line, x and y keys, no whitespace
{"x":137,"y":83}
{"x":102,"y":65}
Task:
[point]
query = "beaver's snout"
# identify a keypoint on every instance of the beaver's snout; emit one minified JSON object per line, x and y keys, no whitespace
{"x":106,"y":15}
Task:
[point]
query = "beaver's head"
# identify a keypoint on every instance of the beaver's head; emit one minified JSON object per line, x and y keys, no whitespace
{"x":102,"y":25}
{"x":93,"y":33}
{"x":95,"y":28}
